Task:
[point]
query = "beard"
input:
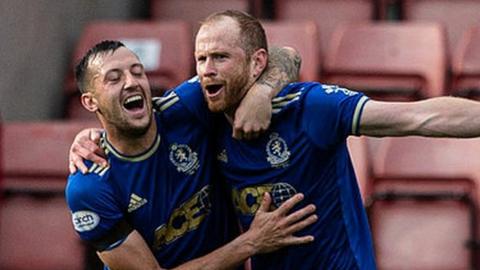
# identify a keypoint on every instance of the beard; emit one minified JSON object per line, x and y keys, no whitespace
{"x":123,"y":127}
{"x":234,"y":90}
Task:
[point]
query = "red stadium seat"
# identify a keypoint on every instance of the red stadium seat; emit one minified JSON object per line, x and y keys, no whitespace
{"x":194,"y":11}
{"x":165,"y":48}
{"x":455,"y":15}
{"x":327,"y":14}
{"x":303,"y":36}
{"x":35,"y":224}
{"x":466,"y":65}
{"x":422,"y":232}
{"x":393,"y":61}
{"x":36,"y":233}
{"x":423,"y":190}
{"x":360,"y":155}
{"x":36,"y":153}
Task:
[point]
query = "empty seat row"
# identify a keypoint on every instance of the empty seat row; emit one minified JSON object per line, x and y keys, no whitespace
{"x":35,"y":223}
{"x":394,"y":61}
{"x":455,"y":15}
{"x":422,"y":197}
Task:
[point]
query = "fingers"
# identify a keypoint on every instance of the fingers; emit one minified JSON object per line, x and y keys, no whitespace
{"x":298,"y":226}
{"x":71,"y":167}
{"x":289,"y":204}
{"x":75,"y":163}
{"x":95,"y":134}
{"x":247,"y":133}
{"x":266,"y":202}
{"x":85,"y":146}
{"x":294,"y":240}
{"x":300,"y":214}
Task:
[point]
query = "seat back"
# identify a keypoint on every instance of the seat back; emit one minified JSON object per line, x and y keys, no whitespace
{"x":456,"y":16}
{"x":423,"y":190}
{"x":388,"y":60}
{"x":36,"y":153}
{"x":303,"y":36}
{"x":361,"y":160}
{"x":327,"y":14}
{"x":165,"y":48}
{"x":37,"y":232}
{"x":422,"y":232}
{"x":194,"y":11}
{"x":35,"y":224}
{"x":466,"y":65}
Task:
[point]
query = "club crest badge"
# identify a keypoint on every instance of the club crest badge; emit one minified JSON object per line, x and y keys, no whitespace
{"x":184,"y":158}
{"x":277,"y":151}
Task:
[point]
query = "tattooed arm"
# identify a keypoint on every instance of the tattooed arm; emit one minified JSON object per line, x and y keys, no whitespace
{"x":253,"y":115}
{"x":283,"y":68}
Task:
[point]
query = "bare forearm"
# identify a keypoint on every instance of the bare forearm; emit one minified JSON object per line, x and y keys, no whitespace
{"x":229,"y":256}
{"x":435,"y":117}
{"x":450,"y":117}
{"x":283,"y":68}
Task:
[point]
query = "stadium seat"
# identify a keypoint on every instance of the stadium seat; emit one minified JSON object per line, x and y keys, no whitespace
{"x":466,"y":65}
{"x":36,"y":153}
{"x":327,"y":14}
{"x":423,"y":201}
{"x":303,"y":36}
{"x":429,"y":231}
{"x":165,"y":48}
{"x":392,"y":61}
{"x":36,"y":233}
{"x":455,"y":15}
{"x":194,"y":11}
{"x":360,"y":155}
{"x":35,"y":224}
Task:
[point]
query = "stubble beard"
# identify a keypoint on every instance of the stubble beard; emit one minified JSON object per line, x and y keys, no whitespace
{"x":123,"y":127}
{"x":235,"y":89}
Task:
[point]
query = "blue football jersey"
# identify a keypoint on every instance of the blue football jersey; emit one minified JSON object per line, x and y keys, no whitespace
{"x":170,"y":193}
{"x":304,"y":151}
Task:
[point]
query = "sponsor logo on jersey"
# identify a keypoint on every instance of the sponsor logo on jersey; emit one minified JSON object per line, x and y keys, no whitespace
{"x":85,"y":220}
{"x":135,"y":202}
{"x":277,"y":151}
{"x":222,"y":156}
{"x":184,"y":158}
{"x":247,"y":200}
{"x":187,"y":217}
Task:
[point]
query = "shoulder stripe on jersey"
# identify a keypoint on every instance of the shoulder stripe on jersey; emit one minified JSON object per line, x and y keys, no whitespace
{"x":97,"y":169}
{"x":280,"y":102}
{"x":284,"y":103}
{"x":163,"y":103}
{"x":357,"y":114}
{"x":289,"y":96}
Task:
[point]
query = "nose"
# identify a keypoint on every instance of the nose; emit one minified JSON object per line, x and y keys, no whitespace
{"x":209,"y":68}
{"x":130,"y":81}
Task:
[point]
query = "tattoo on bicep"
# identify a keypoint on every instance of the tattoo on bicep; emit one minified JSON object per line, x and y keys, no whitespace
{"x":283,"y":67}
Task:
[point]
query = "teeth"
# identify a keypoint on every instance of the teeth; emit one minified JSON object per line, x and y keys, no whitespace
{"x":133,"y":98}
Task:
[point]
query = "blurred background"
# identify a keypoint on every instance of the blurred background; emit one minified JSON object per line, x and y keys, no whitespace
{"x":421,"y":195}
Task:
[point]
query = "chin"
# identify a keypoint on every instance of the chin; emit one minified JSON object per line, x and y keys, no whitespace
{"x":216,"y":107}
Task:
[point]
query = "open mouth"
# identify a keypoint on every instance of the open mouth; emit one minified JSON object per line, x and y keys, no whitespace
{"x":134,"y":103}
{"x":212,"y":89}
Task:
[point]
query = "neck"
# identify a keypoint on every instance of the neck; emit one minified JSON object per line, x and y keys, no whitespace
{"x":131,"y":145}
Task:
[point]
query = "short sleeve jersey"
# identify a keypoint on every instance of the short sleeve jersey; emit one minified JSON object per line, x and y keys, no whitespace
{"x":170,"y":193}
{"x":304,"y":151}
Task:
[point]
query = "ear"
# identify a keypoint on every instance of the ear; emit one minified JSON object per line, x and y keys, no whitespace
{"x":259,"y":62}
{"x":89,"y":102}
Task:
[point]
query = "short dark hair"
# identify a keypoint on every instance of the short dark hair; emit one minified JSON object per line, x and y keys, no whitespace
{"x":252,"y":34}
{"x":103,"y":47}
